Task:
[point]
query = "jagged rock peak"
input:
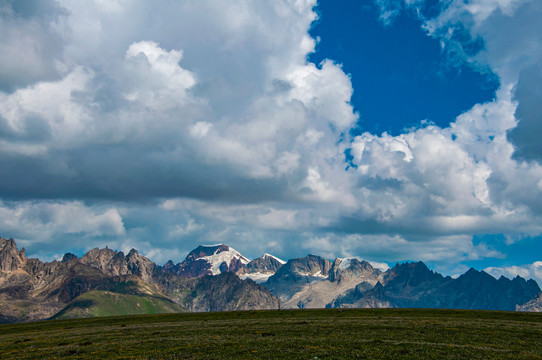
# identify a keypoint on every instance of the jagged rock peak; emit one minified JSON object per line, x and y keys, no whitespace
{"x":411,"y":273}
{"x":112,"y":262}
{"x":260,"y":269}
{"x":11,"y":258}
{"x":69,"y":257}
{"x":311,"y":266}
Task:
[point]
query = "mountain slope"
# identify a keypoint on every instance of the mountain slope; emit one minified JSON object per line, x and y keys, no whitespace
{"x":314,"y":282}
{"x":260,"y":269}
{"x":106,"y":303}
{"x":33,"y":290}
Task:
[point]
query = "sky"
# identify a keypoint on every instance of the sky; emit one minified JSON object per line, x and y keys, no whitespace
{"x":390,"y":130}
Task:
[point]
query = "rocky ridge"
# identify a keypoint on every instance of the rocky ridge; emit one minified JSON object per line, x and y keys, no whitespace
{"x":33,"y":290}
{"x":217,"y":278}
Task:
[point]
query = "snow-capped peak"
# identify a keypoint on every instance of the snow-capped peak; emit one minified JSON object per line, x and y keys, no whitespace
{"x":223,"y":254}
{"x":274,"y":257}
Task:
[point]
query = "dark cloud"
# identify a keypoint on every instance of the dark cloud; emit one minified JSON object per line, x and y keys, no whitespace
{"x":526,"y":136}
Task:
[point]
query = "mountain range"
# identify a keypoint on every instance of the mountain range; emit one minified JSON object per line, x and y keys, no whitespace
{"x":219,"y":278}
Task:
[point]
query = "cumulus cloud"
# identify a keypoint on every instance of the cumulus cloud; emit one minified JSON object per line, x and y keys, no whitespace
{"x":51,"y":222}
{"x":205,"y":121}
{"x":146,"y":112}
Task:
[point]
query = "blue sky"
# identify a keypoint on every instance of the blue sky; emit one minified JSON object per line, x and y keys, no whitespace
{"x":385,"y":129}
{"x":396,"y":63}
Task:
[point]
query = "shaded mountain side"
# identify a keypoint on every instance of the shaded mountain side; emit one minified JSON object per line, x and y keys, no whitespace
{"x":414,"y":285}
{"x":107,"y":303}
{"x":227,"y":292}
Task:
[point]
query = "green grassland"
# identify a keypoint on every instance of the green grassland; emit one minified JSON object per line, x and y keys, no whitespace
{"x":283,"y":334}
{"x":107,"y":303}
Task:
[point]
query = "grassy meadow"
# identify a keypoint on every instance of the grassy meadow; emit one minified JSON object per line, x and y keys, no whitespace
{"x":283,"y":334}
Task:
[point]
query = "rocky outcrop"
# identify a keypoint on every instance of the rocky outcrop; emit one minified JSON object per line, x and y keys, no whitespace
{"x":11,"y":259}
{"x":313,"y":282}
{"x":534,"y":305}
{"x":295,"y":283}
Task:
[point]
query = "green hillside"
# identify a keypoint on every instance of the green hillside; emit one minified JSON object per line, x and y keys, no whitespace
{"x":107,"y":303}
{"x":282,"y":334}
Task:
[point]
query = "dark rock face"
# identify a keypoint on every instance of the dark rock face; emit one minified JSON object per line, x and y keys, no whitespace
{"x":69,"y":257}
{"x":227,"y":292}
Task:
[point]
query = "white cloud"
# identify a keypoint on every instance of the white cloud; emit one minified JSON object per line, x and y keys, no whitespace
{"x":31,"y":45}
{"x":180,"y":231}
{"x":53,"y":104}
{"x":216,"y":102}
{"x":158,"y":79}
{"x":33,"y":221}
{"x":527,"y":271}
